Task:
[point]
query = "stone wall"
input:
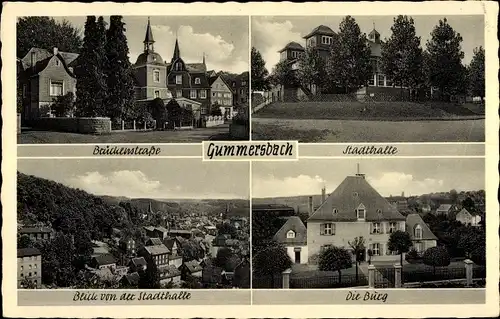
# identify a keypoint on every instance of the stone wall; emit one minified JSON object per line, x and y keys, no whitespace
{"x":84,"y":125}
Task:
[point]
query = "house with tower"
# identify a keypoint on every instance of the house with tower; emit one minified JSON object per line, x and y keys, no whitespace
{"x":321,"y":39}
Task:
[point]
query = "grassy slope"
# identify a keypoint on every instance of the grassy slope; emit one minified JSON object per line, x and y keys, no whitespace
{"x":364,"y":111}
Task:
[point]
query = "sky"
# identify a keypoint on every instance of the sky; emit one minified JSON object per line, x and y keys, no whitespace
{"x":388,"y":176}
{"x":146,"y":178}
{"x":270,"y":34}
{"x":224,"y":39}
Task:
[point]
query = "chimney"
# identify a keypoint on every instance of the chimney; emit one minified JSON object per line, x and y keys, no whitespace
{"x":56,"y":51}
{"x":403,"y":194}
{"x":33,"y":59}
{"x":323,"y":195}
{"x":311,"y":208}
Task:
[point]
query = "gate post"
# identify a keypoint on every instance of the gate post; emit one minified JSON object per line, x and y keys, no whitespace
{"x":371,"y":276}
{"x":134,"y":125}
{"x":468,"y":271}
{"x":397,"y":276}
{"x":286,"y":278}
{"x":123,"y":125}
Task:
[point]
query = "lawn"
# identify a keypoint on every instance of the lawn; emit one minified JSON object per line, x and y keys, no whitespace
{"x":386,"y":111}
{"x":308,"y":276}
{"x":196,"y":135}
{"x":334,"y":131}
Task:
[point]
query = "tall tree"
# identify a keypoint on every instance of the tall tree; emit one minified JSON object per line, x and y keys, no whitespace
{"x":445,"y":69}
{"x":476,"y":74}
{"x":102,"y":65}
{"x":260,"y":81}
{"x":402,"y":55}
{"x":284,"y":74}
{"x":89,"y":72}
{"x":120,"y":103}
{"x":400,"y":242}
{"x":349,"y":65}
{"x":311,"y":72}
{"x":46,"y":33}
{"x":271,"y":261}
{"x":436,"y":257}
{"x":358,"y":247}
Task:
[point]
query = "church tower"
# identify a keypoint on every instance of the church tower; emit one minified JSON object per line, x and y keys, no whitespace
{"x":150,"y":71}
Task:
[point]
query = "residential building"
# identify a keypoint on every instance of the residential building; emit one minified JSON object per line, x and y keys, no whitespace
{"x":241,"y":86}
{"x":103,"y":261}
{"x":99,"y":248}
{"x":293,"y":235}
{"x":128,"y":246}
{"x":222,"y":95}
{"x":420,"y":234}
{"x":354,"y":209}
{"x":446,"y":209}
{"x":211,"y":230}
{"x":174,"y":258}
{"x":191,"y":268}
{"x":138,"y":264}
{"x":153,"y":241}
{"x":170,"y":274}
{"x":44,"y":75}
{"x":37,"y":233}
{"x":180,"y":232}
{"x":157,"y":255}
{"x":468,"y":218}
{"x":130,"y":280}
{"x":29,"y":266}
{"x":400,"y":202}
{"x":291,"y":52}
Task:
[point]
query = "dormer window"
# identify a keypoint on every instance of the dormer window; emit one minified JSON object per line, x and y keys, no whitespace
{"x":355,"y":194}
{"x":418,"y":232}
{"x":379,"y":212}
{"x":326,"y":40}
{"x":58,"y":62}
{"x":335,"y":211}
{"x":197,"y":81}
{"x":361,"y":212}
{"x":290,"y":234}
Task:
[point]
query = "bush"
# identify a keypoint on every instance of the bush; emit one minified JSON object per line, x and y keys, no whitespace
{"x":63,"y":105}
{"x":412,"y":255}
{"x":242,"y":117}
{"x":334,"y":259}
{"x":436,"y":257}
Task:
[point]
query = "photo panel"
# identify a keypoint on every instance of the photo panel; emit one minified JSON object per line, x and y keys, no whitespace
{"x":369,"y":78}
{"x":412,"y":224}
{"x":132,"y":225}
{"x":161,"y":79}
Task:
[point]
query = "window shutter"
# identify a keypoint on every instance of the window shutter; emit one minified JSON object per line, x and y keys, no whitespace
{"x":322,"y":229}
{"x":333,"y":229}
{"x":371,"y":228}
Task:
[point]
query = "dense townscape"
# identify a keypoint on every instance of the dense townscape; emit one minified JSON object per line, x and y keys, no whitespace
{"x":68,"y":238}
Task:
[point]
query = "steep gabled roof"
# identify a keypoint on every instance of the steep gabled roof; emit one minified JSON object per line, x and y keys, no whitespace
{"x":412,"y":220}
{"x":295,"y":224}
{"x":348,"y":196}
{"x":105,"y":259}
{"x":157,"y":250}
{"x":445,"y":207}
{"x":321,"y":30}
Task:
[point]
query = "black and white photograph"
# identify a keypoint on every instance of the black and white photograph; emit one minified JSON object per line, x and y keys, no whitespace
{"x":132,"y":79}
{"x":132,"y":224}
{"x":381,"y":223}
{"x":368,"y":78}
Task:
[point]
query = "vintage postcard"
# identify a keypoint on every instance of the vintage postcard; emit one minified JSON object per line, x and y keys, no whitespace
{"x":258,"y":160}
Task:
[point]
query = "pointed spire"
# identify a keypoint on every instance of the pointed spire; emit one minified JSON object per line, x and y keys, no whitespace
{"x":148,"y":39}
{"x":177,"y":51}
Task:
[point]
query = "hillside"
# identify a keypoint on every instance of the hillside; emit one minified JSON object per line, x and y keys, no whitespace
{"x":300,"y":202}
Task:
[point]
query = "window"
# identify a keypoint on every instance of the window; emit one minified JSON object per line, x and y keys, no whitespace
{"x":214,"y":94}
{"x":178,"y":66}
{"x":157,"y":94}
{"x":22,"y":275}
{"x":30,"y":267}
{"x":197,"y":81}
{"x":203,"y":94}
{"x":290,"y":234}
{"x":35,"y":273}
{"x":56,"y":88}
{"x":311,"y":42}
{"x":22,"y":268}
{"x":326,"y":40}
{"x":192,"y":94}
{"x":219,"y":94}
{"x":294,"y":54}
{"x":244,"y":83}
{"x":283,"y":56}
{"x":156,"y":76}
{"x":178,"y":93}
{"x":418,"y":232}
{"x":376,"y":229}
{"x":361,"y":213}
{"x":371,"y":81}
{"x":376,"y":249}
{"x":335,"y":211}
{"x":379,"y":211}
{"x":380,"y":80}
{"x":327,"y":229}
{"x":203,"y":110}
{"x":388,"y":82}
{"x":392,"y":228}
{"x":178,"y":79}
{"x":325,"y":247}
{"x":29,"y":274}
{"x":58,"y":62}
